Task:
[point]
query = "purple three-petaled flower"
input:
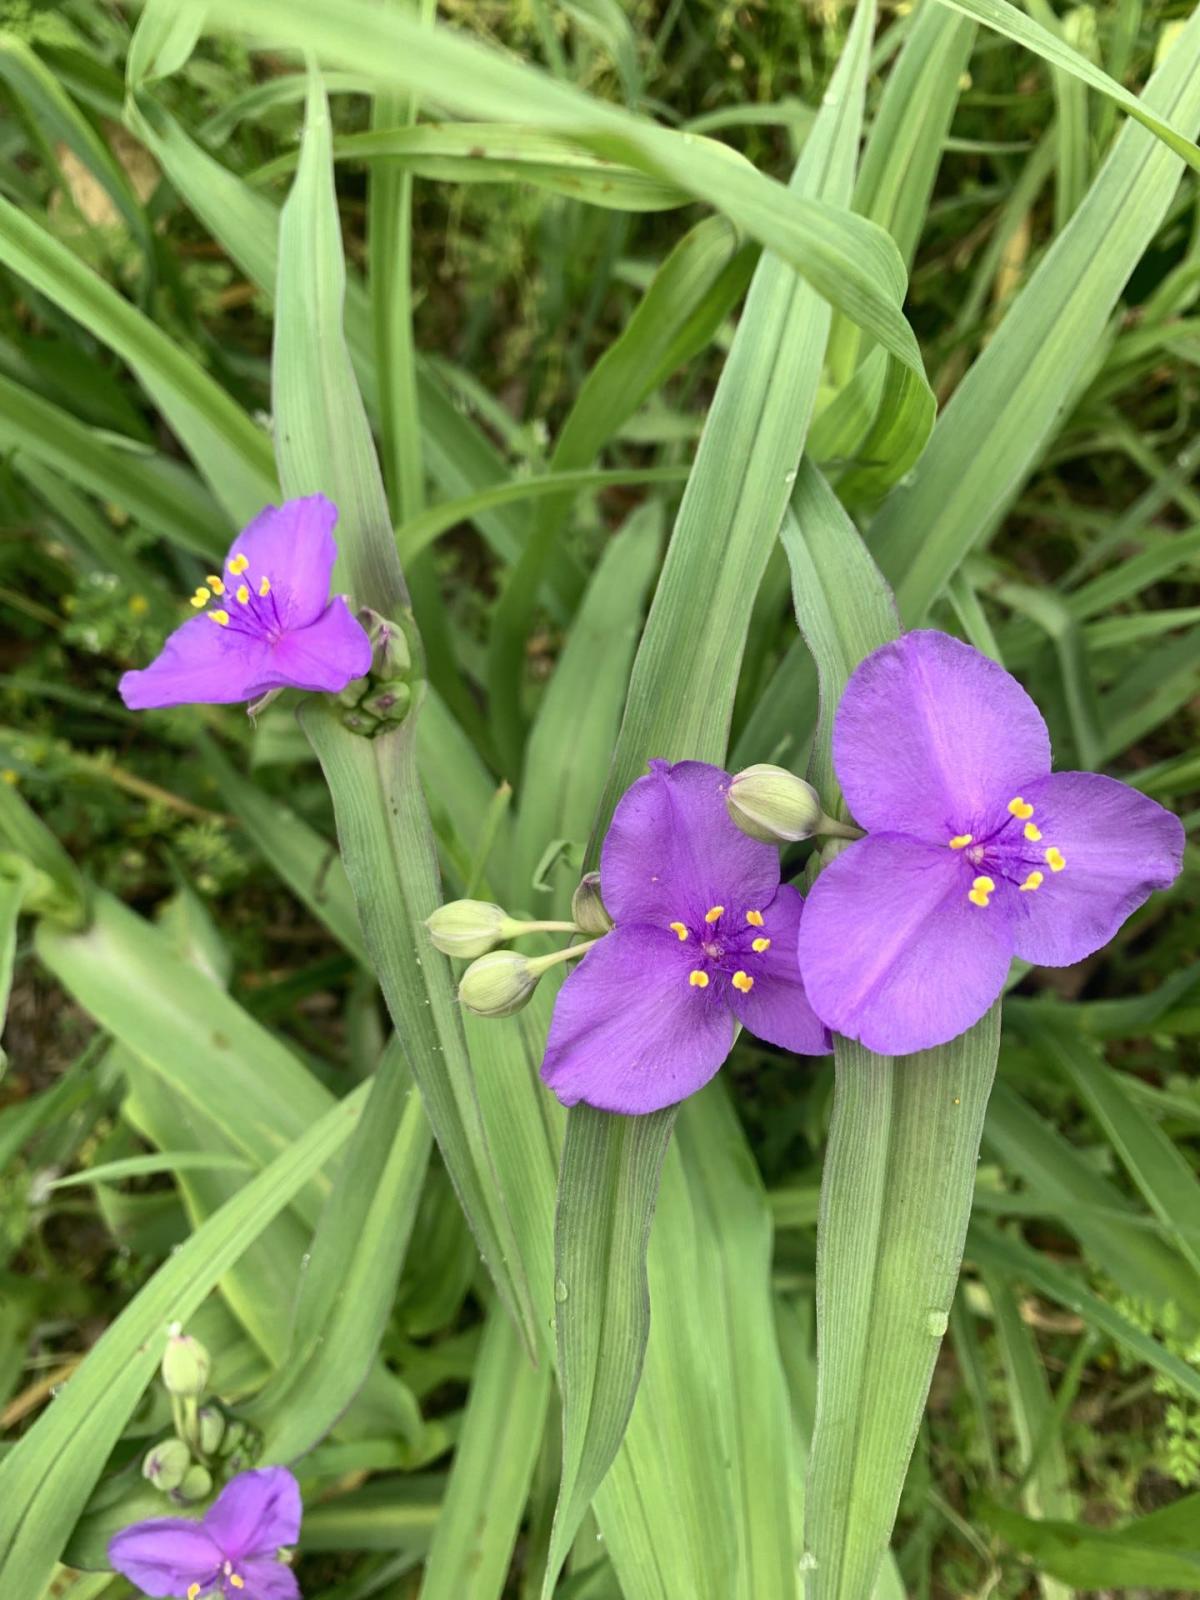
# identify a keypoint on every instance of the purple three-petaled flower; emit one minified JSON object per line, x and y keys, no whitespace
{"x":265,"y":621}
{"x":704,"y":934}
{"x":234,"y":1552}
{"x":975,"y":852}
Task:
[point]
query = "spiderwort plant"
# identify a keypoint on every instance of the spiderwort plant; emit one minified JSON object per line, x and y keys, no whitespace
{"x":234,"y":1552}
{"x":265,"y":622}
{"x":975,"y":851}
{"x":704,"y":938}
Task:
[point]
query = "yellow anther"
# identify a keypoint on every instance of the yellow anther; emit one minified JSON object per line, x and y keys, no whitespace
{"x":679,"y":928}
{"x":193,"y":1591}
{"x":1032,"y":832}
{"x":238,"y":565}
{"x":215,"y":584}
{"x":238,"y":1583}
{"x":1020,"y":808}
{"x":743,"y":982}
{"x":754,"y":918}
{"x":960,"y":841}
{"x":1033,"y":881}
{"x":980,"y":890}
{"x":1055,"y":859}
{"x":201,"y":597}
{"x":759,"y":945}
{"x":264,"y":586}
{"x":714,"y":913}
{"x":221,"y":618}
{"x":698,"y":978}
{"x":985,"y":883}
{"x":243,"y":595}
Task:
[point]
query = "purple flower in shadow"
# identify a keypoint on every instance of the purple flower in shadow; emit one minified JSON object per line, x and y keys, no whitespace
{"x":233,"y":1552}
{"x":265,"y":621}
{"x":704,"y":936}
{"x":975,"y":851}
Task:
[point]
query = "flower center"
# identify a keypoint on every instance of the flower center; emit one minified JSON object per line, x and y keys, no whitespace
{"x":1006,"y":853}
{"x":248,"y":604}
{"x":728,"y":952}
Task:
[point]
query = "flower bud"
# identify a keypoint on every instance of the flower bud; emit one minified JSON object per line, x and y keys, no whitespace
{"x":167,"y":1464}
{"x":774,"y":805}
{"x":470,"y":927}
{"x":240,"y":1446}
{"x":185,"y":1365}
{"x":587,"y":908}
{"x":498,"y":984}
{"x":210,"y":1429}
{"x":197,"y":1483}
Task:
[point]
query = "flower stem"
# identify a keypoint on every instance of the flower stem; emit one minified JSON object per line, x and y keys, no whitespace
{"x":838,"y":830}
{"x":541,"y":963}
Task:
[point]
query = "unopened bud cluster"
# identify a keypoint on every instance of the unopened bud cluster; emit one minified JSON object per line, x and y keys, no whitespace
{"x":378,"y":702}
{"x":208,"y":1446}
{"x":499,"y":982}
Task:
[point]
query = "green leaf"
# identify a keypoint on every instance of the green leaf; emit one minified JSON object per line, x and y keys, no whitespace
{"x":895,"y":1197}
{"x":166,"y":34}
{"x":1023,"y":30}
{"x":163,"y":1161}
{"x":46,"y":1479}
{"x":1125,"y":1559}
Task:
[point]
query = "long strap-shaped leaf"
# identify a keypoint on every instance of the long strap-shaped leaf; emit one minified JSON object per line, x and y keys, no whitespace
{"x":45,"y":1481}
{"x":900,"y":1164}
{"x":679,"y":704}
{"x":383,"y":827}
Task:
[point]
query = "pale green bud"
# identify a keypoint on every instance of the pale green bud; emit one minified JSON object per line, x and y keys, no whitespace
{"x":210,"y":1427}
{"x":470,"y":927}
{"x":498,"y":984}
{"x":774,"y":805}
{"x":196,"y":1485}
{"x":185,"y":1365}
{"x":167,"y":1464}
{"x":587,"y":908}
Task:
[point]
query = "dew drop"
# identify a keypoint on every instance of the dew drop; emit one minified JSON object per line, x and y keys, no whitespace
{"x":807,"y":1562}
{"x":560,"y":1290}
{"x":936,"y":1323}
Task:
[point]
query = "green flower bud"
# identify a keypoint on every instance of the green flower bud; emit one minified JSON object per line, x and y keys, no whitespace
{"x":390,"y":703}
{"x":167,"y":1464}
{"x":498,"y":984}
{"x":240,"y":1446}
{"x":470,"y":927}
{"x":587,"y":908}
{"x":774,"y":805}
{"x":210,"y":1427}
{"x":185,"y":1365}
{"x":197,"y":1484}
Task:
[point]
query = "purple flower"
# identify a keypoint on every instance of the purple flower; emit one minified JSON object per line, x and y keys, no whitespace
{"x":266,"y":622}
{"x":704,"y":934}
{"x":233,"y":1552}
{"x":975,"y":852}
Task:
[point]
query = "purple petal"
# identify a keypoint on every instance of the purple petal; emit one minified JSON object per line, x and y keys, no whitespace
{"x":269,"y":1580}
{"x":201,"y":664}
{"x":629,"y":1032}
{"x":892,"y":951}
{"x":166,"y":1556}
{"x":671,"y":852}
{"x":931,"y":736}
{"x":777,"y":1007}
{"x":291,"y":545}
{"x":1118,"y":845}
{"x":326,"y":655}
{"x":256,"y":1513}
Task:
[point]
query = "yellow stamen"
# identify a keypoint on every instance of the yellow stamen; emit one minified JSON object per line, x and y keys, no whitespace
{"x":221,"y":618}
{"x":193,"y":1591}
{"x":1055,"y":859}
{"x":1032,"y":832}
{"x":215,"y":584}
{"x":243,"y":595}
{"x":238,"y":1583}
{"x":1033,"y":881}
{"x":1020,"y":808}
{"x":960,"y":841}
{"x":980,"y":890}
{"x":754,"y":918}
{"x":264,"y":586}
{"x":759,"y":945}
{"x":743,"y":982}
{"x":201,"y":597}
{"x":714,"y":913}
{"x":238,"y":565}
{"x":679,"y":928}
{"x":698,"y":978}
